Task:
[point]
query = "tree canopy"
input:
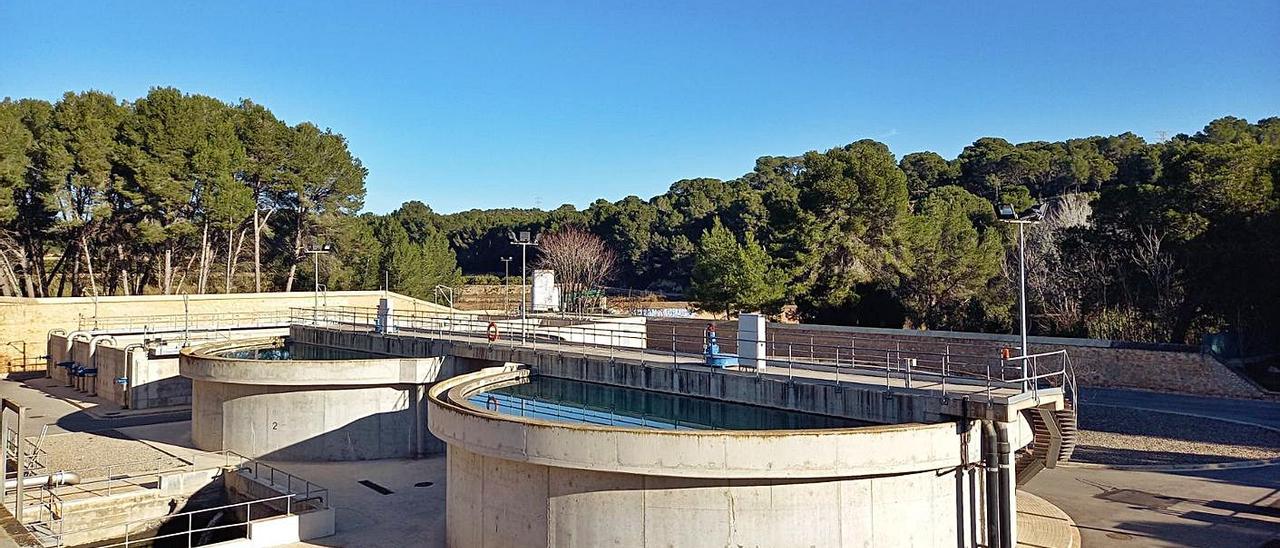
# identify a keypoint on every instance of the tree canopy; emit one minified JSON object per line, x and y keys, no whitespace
{"x":176,"y":192}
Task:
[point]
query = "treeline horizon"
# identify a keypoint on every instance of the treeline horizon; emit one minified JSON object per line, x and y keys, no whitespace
{"x":177,"y":193}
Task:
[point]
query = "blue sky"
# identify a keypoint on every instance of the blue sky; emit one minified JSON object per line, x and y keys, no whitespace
{"x":478,"y":104}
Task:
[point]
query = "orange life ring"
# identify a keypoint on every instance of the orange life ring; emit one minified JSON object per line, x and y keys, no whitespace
{"x":493,"y":331}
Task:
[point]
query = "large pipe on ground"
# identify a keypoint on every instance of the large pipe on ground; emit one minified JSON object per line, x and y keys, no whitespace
{"x":51,"y":480}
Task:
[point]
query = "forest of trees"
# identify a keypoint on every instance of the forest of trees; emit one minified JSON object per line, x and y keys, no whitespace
{"x":179,"y":193}
{"x":1142,"y":241}
{"x":176,"y":193}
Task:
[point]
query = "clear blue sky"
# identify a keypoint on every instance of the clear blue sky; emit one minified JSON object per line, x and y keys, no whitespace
{"x":476,"y":104}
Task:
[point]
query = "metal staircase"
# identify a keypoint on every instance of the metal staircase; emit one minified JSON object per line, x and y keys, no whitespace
{"x":1055,"y":433}
{"x":1055,"y":436}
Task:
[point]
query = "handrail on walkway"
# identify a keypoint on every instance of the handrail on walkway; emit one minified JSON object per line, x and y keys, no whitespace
{"x":912,"y":367}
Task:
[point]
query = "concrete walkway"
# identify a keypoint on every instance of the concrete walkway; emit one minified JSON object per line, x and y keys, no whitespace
{"x":66,"y":410}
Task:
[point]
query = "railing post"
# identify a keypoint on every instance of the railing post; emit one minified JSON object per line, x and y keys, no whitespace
{"x":673,"y":347}
{"x":837,"y":348}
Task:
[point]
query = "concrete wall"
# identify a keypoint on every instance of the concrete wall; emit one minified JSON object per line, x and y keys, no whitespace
{"x":290,"y":523}
{"x":1102,"y":363}
{"x":309,"y":409}
{"x":29,"y":320}
{"x":493,"y":502}
{"x":90,"y":519}
{"x":153,"y":381}
{"x":522,"y":482}
{"x":622,"y":332}
{"x":309,"y":423}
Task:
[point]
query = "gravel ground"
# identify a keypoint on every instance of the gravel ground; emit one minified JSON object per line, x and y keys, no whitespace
{"x":96,"y":455}
{"x":1120,"y":436}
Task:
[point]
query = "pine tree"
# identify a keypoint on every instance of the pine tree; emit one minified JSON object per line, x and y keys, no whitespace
{"x":729,"y":276}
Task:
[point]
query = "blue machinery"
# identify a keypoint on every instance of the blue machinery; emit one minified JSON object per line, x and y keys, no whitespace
{"x":711,"y":352}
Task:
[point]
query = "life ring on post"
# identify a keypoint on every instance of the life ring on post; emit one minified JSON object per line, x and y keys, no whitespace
{"x":492,"y":331}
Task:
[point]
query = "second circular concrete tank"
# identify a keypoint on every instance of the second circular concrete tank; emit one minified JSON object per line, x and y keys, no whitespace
{"x":532,"y":481}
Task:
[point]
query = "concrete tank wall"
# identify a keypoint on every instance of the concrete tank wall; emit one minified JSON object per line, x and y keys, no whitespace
{"x":498,"y":502}
{"x":514,"y":481}
{"x":308,"y":423}
{"x":309,"y":409}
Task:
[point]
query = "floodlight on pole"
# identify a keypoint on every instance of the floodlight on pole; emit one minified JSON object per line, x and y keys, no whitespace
{"x":1034,"y":214}
{"x":524,"y":239}
{"x":315,"y":255}
{"x":506,"y":276}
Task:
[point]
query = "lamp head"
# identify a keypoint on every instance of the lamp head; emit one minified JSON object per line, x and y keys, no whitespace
{"x":1034,"y":214}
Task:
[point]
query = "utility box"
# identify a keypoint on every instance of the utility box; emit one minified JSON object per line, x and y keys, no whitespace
{"x":546,"y":296}
{"x":752,"y":349}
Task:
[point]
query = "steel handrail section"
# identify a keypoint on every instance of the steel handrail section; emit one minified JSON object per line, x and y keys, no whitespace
{"x":156,"y":323}
{"x":310,"y":495}
{"x":906,"y":365}
{"x":191,"y":530}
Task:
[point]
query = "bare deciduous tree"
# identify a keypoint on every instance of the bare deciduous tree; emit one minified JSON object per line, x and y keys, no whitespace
{"x":581,"y":261}
{"x":1054,"y":282}
{"x":1154,"y":261}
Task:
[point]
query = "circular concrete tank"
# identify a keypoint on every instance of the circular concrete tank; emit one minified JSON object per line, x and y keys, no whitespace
{"x":521,"y":481}
{"x":307,"y":409}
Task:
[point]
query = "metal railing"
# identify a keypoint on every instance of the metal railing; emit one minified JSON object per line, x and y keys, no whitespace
{"x":139,"y":532}
{"x":308,"y":493}
{"x":953,"y":369}
{"x":299,"y":495}
{"x":168,"y":323}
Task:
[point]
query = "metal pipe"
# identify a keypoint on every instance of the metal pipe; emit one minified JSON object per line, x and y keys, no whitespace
{"x":1004,"y":450}
{"x":51,"y":480}
{"x":129,"y":373}
{"x":93,"y":359}
{"x":990,"y":461}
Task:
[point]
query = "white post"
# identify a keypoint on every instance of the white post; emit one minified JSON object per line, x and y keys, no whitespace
{"x":524,"y":303}
{"x":385,"y":316}
{"x":751,"y":341}
{"x":315,"y":272}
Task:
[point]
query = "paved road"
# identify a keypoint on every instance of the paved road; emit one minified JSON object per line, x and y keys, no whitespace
{"x":1255,"y":411}
{"x":1125,"y":508}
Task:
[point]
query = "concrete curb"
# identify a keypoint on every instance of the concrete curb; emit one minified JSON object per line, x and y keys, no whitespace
{"x":1230,"y":465}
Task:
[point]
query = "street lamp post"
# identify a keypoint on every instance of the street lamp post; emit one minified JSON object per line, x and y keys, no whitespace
{"x":1035,"y":214}
{"x":315,"y":256}
{"x":506,"y":275}
{"x":524,"y":239}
